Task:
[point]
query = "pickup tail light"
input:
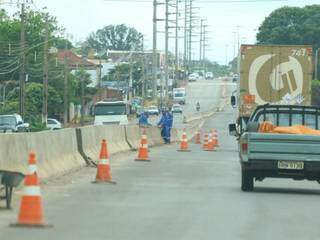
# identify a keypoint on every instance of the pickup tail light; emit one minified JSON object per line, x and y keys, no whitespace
{"x":244,"y":147}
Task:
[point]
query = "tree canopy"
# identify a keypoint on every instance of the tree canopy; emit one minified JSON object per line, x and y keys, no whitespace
{"x":291,"y":25}
{"x":115,"y":37}
{"x":10,"y":52}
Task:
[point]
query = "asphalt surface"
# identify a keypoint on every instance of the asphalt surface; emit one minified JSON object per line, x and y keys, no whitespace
{"x":176,"y":196}
{"x":206,"y":92}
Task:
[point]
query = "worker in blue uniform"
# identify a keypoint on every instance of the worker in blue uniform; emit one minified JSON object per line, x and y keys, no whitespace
{"x":143,"y":120}
{"x":168,"y":126}
{"x":162,"y":124}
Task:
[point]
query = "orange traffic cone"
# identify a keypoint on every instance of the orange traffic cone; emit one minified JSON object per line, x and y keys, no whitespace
{"x":143,"y":154}
{"x":184,"y":143}
{"x":215,"y":137}
{"x":211,"y":144}
{"x":31,"y":211}
{"x":205,"y":143}
{"x":198,"y":138}
{"x":103,"y":167}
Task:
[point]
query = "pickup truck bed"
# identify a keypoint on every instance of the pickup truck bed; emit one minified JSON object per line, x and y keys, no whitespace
{"x":283,"y":147}
{"x":280,"y":156}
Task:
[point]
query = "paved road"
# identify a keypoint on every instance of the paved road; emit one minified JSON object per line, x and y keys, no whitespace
{"x":177,"y":196}
{"x":207,"y":92}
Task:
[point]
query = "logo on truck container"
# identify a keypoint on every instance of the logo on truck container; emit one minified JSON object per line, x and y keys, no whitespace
{"x":278,"y":77}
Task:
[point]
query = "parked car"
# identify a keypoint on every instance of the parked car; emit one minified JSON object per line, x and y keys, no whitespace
{"x":209,"y":75}
{"x":177,"y":108}
{"x":152,"y":110}
{"x":53,"y":124}
{"x":193,"y":77}
{"x":13,"y":123}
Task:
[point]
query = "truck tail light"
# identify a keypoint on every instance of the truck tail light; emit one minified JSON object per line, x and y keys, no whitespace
{"x":244,"y":147}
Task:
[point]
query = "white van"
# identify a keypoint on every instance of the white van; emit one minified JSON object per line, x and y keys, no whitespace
{"x":111,"y":112}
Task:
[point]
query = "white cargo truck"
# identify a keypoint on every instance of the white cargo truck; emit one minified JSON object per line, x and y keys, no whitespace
{"x":179,"y":95}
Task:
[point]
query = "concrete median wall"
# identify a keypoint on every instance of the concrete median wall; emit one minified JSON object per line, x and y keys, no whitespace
{"x":56,"y":152}
{"x":93,"y":135}
{"x":134,"y":133}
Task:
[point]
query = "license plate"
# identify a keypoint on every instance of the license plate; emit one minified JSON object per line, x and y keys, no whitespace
{"x":290,"y":165}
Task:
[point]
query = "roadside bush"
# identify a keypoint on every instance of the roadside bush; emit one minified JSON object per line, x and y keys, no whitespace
{"x":315,"y":93}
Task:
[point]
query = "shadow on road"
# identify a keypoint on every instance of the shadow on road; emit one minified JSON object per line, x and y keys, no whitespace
{"x":286,"y":190}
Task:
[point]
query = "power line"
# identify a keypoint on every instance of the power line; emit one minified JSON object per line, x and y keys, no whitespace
{"x":209,"y":1}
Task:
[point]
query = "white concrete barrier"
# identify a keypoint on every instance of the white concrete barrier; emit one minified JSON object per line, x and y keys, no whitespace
{"x":56,"y":152}
{"x":134,"y":133}
{"x":93,"y":135}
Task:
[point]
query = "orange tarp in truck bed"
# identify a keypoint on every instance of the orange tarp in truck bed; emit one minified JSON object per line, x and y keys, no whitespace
{"x":268,"y":127}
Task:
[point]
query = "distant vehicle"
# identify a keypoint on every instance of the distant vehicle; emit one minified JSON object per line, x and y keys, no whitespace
{"x":53,"y":124}
{"x":179,"y":95}
{"x":176,"y":108}
{"x":152,"y":110}
{"x":198,"y":106}
{"x":235,"y":78}
{"x":209,"y":75}
{"x":193,"y":77}
{"x":13,"y":123}
{"x":111,"y":112}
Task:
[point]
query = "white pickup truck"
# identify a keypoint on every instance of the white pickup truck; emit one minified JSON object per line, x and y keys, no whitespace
{"x":13,"y":123}
{"x":276,"y":155}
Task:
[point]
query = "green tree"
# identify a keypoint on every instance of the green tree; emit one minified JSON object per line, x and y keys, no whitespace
{"x":82,"y":76}
{"x":115,"y":37}
{"x":34,"y":102}
{"x":121,"y":73}
{"x":10,"y":51}
{"x":291,"y":25}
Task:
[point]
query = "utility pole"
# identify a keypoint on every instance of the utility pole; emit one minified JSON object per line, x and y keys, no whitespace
{"x":45,"y":74}
{"x":154,"y":51}
{"x":177,"y":41}
{"x":100,"y":79}
{"x":65,"y":88}
{"x":204,"y":45}
{"x":82,"y":95}
{"x":190,"y":35}
{"x":185,"y":45}
{"x":166,"y":67}
{"x":238,"y":36}
{"x":227,"y":46}
{"x":201,"y":41}
{"x":130,"y":77}
{"x":82,"y":101}
{"x":234,"y":44}
{"x":22,"y":73}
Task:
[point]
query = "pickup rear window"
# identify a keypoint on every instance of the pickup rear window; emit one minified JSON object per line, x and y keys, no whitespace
{"x":288,"y":116}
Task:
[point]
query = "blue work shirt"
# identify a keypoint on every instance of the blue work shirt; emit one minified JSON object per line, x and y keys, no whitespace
{"x":162,"y":121}
{"x":169,"y":120}
{"x":143,"y":120}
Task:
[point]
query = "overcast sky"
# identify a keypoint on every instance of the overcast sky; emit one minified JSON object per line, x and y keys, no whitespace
{"x":81,"y":17}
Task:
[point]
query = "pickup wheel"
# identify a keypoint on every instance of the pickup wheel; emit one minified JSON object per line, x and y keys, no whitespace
{"x":246,"y":181}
